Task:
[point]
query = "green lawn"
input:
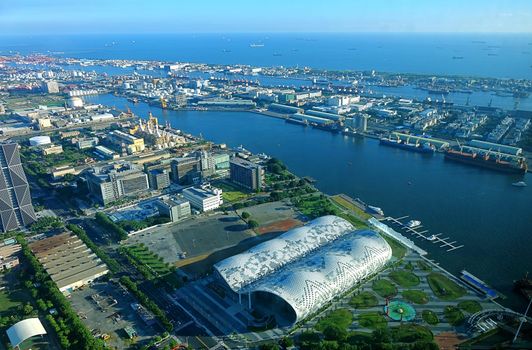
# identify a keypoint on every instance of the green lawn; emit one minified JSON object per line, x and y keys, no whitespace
{"x":231,"y":193}
{"x":424,"y":266}
{"x":409,"y":333}
{"x":341,"y":318}
{"x":364,"y":300}
{"x":10,"y":300}
{"x":404,"y":278}
{"x":443,"y":287}
{"x":398,"y":250}
{"x":384,"y":288}
{"x":415,"y":296}
{"x":453,"y":315}
{"x":430,"y":317}
{"x":470,"y":306}
{"x":372,"y":320}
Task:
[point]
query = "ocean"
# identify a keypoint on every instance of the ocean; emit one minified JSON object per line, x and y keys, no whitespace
{"x":483,"y":55}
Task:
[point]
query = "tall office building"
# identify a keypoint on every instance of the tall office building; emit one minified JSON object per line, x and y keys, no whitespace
{"x":246,"y":174}
{"x":16,"y":209}
{"x":186,"y":171}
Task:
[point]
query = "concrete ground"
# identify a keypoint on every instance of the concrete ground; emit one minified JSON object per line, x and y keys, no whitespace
{"x":269,"y":213}
{"x":104,"y":319}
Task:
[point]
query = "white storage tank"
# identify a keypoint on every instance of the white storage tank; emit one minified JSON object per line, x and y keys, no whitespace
{"x":75,"y":102}
{"x":40,"y":140}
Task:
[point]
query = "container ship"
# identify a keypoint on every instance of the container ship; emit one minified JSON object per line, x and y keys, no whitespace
{"x":415,"y":147}
{"x":489,"y":160}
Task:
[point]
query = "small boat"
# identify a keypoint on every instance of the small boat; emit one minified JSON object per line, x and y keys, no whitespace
{"x":413,"y":223}
{"x":519,"y":184}
{"x":431,"y":237}
{"x":375,"y":210}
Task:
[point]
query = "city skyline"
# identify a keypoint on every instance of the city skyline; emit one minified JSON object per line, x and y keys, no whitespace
{"x":59,"y":17}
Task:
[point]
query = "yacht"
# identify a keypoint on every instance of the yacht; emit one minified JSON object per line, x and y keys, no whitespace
{"x":519,"y":184}
{"x":413,"y":223}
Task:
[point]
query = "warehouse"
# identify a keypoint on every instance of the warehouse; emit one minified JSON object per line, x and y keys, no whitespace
{"x":68,"y":261}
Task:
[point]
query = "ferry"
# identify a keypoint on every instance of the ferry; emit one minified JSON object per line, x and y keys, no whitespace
{"x":415,"y":147}
{"x":413,"y":223}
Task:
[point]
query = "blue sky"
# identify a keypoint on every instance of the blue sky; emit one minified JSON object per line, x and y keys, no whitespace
{"x":156,"y":16}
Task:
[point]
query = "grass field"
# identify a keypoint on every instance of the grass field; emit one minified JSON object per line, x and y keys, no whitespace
{"x":398,"y":250}
{"x":470,"y":306}
{"x":154,"y":263}
{"x":341,"y":318}
{"x":430,"y":317}
{"x":384,"y":288}
{"x":363,"y":300}
{"x":231,"y":193}
{"x":10,"y":300}
{"x":372,"y":320}
{"x":453,"y":315}
{"x":443,"y":287}
{"x":415,"y":296}
{"x":350,"y":206}
{"x":404,"y":278}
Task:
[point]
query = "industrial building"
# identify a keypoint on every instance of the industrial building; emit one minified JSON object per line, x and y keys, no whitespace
{"x":308,"y":119}
{"x":297,"y":273}
{"x":23,"y":330}
{"x":246,"y":174}
{"x":16,"y":209}
{"x":126,"y":143}
{"x":87,"y":142}
{"x":280,"y":108}
{"x":116,"y":181}
{"x":68,"y":261}
{"x":176,"y":208}
{"x":204,"y":198}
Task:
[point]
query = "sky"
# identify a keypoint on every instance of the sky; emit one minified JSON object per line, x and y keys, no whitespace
{"x":211,"y":16}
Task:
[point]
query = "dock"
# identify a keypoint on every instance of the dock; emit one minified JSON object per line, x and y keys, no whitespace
{"x":419,"y":232}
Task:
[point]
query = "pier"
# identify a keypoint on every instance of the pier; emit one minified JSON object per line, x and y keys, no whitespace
{"x":419,"y":232}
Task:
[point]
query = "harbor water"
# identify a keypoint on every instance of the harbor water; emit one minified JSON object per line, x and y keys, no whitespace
{"x":478,"y":208}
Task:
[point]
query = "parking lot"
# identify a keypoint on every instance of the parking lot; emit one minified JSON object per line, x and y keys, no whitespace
{"x":106,"y":310}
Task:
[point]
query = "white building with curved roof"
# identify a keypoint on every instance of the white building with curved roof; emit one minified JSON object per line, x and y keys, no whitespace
{"x":306,"y":267}
{"x":23,"y":330}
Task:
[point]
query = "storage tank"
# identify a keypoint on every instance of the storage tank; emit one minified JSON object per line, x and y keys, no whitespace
{"x":40,"y":140}
{"x":75,"y":102}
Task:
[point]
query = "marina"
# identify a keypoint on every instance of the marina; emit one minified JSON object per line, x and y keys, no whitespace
{"x":418,"y":231}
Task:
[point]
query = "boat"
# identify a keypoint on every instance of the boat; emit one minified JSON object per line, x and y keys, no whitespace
{"x":519,"y":184}
{"x":413,"y":223}
{"x":415,"y":147}
{"x":375,"y":210}
{"x":256,"y":45}
{"x":494,"y":162}
{"x":458,"y":57}
{"x":524,"y":286}
{"x":434,"y":91}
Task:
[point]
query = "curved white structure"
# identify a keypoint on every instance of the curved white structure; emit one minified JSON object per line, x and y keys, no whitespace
{"x":40,"y":140}
{"x":242,"y":269}
{"x":23,"y":330}
{"x":305,"y":274}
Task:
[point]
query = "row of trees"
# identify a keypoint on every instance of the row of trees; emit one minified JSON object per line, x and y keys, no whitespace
{"x":111,"y":263}
{"x":147,"y":302}
{"x":103,"y":220}
{"x":71,"y":331}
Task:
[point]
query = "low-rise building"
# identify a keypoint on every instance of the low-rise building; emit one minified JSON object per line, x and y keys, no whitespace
{"x":204,"y":198}
{"x":9,"y":253}
{"x":68,"y":261}
{"x":87,"y":142}
{"x":176,"y":208}
{"x":127,"y":143}
{"x":51,"y":149}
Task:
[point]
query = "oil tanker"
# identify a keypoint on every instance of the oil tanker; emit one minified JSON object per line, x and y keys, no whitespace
{"x":493,"y":161}
{"x":414,"y":147}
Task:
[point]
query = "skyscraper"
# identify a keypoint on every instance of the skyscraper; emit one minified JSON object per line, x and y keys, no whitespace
{"x":16,"y":209}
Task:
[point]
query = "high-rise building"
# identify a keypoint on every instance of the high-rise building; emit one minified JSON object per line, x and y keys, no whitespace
{"x":246,"y":174}
{"x":207,"y":164}
{"x":158,"y":179}
{"x":50,"y":87}
{"x":16,"y":209}
{"x":111,"y":183}
{"x":186,"y":171}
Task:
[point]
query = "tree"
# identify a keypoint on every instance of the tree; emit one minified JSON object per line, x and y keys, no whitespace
{"x":334,"y":332}
{"x":27,"y":309}
{"x":245,"y":215}
{"x":286,"y":342}
{"x":253,"y":224}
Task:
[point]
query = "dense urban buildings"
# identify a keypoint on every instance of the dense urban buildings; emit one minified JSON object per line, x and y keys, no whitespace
{"x":16,"y":209}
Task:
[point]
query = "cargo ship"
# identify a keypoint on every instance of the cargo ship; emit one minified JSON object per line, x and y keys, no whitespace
{"x":488,"y":161}
{"x":415,"y":147}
